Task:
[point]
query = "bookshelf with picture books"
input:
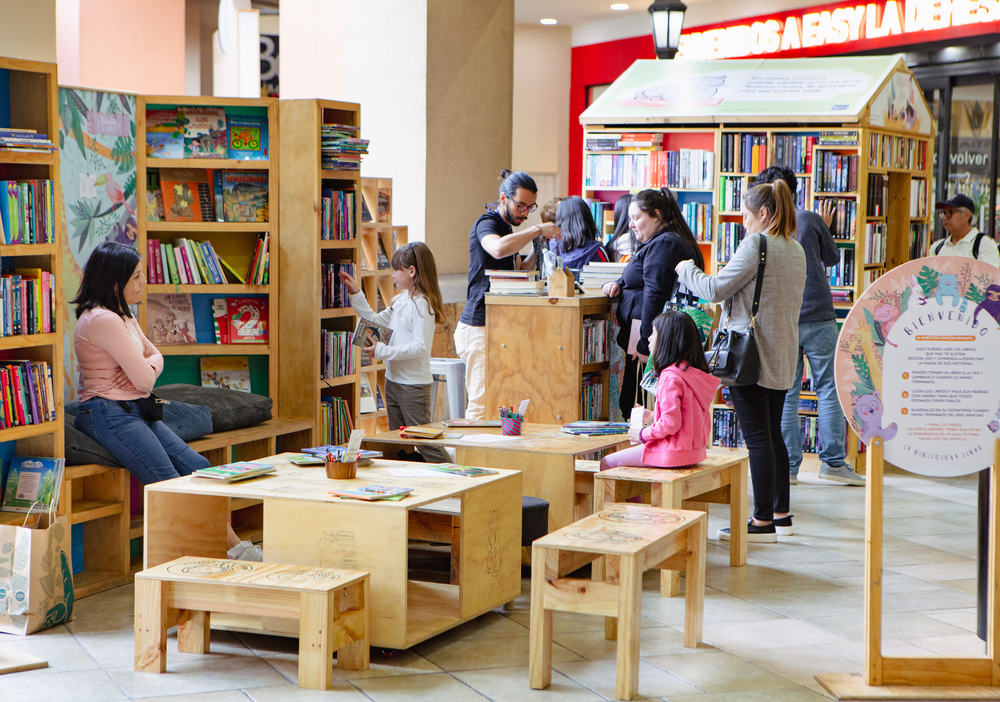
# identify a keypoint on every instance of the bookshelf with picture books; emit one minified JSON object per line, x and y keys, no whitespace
{"x":868,"y":153}
{"x":31,"y":328}
{"x":379,"y":240}
{"x":321,"y":215}
{"x":207,"y":196}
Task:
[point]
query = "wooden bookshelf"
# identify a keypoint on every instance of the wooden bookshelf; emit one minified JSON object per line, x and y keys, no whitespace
{"x":232,"y":241}
{"x":32,"y":102}
{"x":903,"y":158}
{"x":303,"y":251}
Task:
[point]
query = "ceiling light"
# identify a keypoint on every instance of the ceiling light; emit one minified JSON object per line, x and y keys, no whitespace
{"x":548,"y":21}
{"x":619,"y":6}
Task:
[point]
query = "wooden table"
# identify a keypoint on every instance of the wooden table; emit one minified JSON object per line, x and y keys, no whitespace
{"x":545,"y":455}
{"x":304,"y":525}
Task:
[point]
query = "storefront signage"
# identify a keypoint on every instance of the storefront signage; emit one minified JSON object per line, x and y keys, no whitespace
{"x":842,"y":28}
{"x":915,"y":365}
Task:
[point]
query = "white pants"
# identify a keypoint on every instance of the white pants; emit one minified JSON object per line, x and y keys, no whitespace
{"x":470,"y":342}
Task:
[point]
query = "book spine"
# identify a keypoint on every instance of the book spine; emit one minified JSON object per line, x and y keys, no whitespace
{"x":152,"y":245}
{"x":15,"y":373}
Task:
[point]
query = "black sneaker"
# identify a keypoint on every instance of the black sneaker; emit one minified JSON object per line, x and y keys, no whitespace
{"x":765,"y":534}
{"x":783,"y":526}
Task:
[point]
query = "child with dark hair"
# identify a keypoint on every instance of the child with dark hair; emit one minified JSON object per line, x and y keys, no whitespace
{"x":580,"y":243}
{"x":680,"y":428}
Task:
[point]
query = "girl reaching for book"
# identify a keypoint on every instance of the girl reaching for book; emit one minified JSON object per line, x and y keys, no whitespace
{"x":407,"y":356}
{"x":680,"y":428}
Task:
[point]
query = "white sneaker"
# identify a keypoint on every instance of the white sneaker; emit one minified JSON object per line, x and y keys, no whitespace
{"x":245,"y":551}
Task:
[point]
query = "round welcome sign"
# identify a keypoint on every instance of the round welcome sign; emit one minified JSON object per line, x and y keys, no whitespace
{"x":916,"y":365}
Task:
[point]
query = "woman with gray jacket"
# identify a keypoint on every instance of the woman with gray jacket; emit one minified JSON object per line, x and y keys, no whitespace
{"x":768,"y":211}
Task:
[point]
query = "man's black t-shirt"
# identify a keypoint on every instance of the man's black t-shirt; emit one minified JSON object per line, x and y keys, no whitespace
{"x":480,"y":261}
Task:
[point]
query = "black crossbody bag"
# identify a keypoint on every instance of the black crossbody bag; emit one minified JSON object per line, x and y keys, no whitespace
{"x":151,"y":406}
{"x":734,"y":359}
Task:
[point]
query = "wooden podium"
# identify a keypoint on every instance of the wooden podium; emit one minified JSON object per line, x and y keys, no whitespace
{"x":913,"y":677}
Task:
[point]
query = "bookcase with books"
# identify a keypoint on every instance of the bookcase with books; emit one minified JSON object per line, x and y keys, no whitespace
{"x":207,"y":192}
{"x":379,"y":241}
{"x":31,"y":329}
{"x":868,"y":153}
{"x":321,"y":216}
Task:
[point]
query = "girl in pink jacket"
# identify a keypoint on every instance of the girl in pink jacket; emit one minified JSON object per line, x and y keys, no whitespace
{"x":681,"y":423}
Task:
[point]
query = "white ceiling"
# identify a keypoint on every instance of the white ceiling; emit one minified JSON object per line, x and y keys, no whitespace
{"x":573,"y":12}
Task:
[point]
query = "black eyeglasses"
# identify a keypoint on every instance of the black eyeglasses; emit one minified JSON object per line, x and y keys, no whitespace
{"x":522,"y":208}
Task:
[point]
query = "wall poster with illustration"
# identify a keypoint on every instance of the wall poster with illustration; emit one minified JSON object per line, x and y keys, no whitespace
{"x":98,"y":189}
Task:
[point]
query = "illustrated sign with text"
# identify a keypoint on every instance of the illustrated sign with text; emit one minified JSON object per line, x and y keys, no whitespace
{"x":915,"y":365}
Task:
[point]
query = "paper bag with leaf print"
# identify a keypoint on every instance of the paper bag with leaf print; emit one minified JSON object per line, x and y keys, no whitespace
{"x":36,"y":576}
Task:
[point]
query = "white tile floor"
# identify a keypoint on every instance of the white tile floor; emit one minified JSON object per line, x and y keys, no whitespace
{"x":795,"y":610}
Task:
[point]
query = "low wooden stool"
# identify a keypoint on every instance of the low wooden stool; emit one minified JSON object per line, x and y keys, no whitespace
{"x":626,"y":540}
{"x":331,"y":606}
{"x":720,"y":479}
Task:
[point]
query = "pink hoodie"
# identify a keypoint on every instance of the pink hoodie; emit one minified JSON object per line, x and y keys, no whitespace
{"x":681,"y":427}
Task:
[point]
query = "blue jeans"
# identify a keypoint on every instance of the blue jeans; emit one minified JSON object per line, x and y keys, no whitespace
{"x":818,"y":341}
{"x":149,"y":450}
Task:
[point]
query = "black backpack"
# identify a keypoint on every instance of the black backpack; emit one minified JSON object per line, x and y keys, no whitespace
{"x":975,"y":244}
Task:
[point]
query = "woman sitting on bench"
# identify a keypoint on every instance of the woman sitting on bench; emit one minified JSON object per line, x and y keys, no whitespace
{"x":118,"y":369}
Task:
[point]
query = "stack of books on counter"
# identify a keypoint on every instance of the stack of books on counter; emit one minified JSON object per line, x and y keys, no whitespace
{"x":595,"y":275}
{"x":595,"y":428}
{"x":515,"y":283}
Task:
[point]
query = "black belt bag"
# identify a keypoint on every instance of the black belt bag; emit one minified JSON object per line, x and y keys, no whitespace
{"x":151,"y":406}
{"x":734,"y":358}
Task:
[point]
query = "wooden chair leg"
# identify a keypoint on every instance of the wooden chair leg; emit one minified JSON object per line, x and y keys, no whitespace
{"x":629,"y":624}
{"x":611,"y":573}
{"x":694,"y":595}
{"x":316,"y":616}
{"x":738,"y":514}
{"x":150,"y":627}
{"x":194,"y":631}
{"x":540,"y":633}
{"x":357,"y":655}
{"x":670,"y":498}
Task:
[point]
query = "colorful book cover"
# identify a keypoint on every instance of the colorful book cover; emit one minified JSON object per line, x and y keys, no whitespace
{"x":205,"y":133}
{"x":305,"y":459}
{"x":368,"y":333}
{"x":465,"y":471}
{"x":244,"y":196}
{"x":384,"y":205}
{"x":248,"y":138}
{"x":32,"y":480}
{"x":226,"y":373}
{"x":220,"y":319}
{"x":373,"y":492}
{"x":184,"y":191}
{"x":164,"y":134}
{"x":248,"y":320}
{"x":154,"y":197}
{"x":234,"y":471}
{"x":170,"y":319}
{"x":367,"y":397}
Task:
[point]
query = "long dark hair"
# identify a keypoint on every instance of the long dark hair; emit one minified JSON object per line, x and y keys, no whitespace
{"x":622,"y":225}
{"x":418,"y":254}
{"x":574,"y":219}
{"x":105,"y":276}
{"x":677,"y":341}
{"x":662,"y":205}
{"x":511,"y":181}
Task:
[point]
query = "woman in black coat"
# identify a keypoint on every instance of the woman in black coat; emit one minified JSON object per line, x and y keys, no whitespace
{"x":649,"y":278}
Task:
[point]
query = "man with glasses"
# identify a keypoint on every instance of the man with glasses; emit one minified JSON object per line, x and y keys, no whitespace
{"x":964,"y":239}
{"x":494,"y":246}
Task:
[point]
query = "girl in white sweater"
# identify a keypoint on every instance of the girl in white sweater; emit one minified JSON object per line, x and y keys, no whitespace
{"x":407,"y":356}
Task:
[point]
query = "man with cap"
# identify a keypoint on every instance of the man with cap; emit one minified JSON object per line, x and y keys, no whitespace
{"x":964,"y":239}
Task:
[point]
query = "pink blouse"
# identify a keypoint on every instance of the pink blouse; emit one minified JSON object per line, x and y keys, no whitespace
{"x":115,"y":358}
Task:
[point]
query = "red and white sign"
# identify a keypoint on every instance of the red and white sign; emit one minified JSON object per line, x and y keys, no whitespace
{"x":842,"y":28}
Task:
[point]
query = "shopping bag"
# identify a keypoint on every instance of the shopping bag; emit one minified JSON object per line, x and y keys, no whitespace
{"x":36,"y":575}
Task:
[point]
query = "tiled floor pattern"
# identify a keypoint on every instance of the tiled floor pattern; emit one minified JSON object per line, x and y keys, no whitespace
{"x":793,"y":611}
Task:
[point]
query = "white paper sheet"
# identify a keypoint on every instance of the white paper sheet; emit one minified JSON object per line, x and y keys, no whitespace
{"x":414,"y":473}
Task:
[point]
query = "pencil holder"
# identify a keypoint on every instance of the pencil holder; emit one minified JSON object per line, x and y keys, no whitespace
{"x":511,"y":426}
{"x":341,"y":471}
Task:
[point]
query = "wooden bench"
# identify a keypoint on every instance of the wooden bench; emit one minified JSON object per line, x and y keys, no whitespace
{"x":720,"y":479}
{"x":331,"y":606}
{"x":99,"y":496}
{"x":625,"y":540}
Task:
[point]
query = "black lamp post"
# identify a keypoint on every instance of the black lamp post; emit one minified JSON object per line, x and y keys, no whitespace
{"x":668,"y":20}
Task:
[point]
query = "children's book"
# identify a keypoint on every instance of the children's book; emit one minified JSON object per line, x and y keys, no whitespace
{"x":244,"y":196}
{"x":231,"y":472}
{"x":383,"y":259}
{"x":170,"y":319}
{"x":164,"y":134}
{"x":367,"y":397}
{"x":247,"y":320}
{"x":205,"y":132}
{"x":32,"y":480}
{"x":368,"y":333}
{"x":371,"y":493}
{"x":187,"y":195}
{"x":366,"y":212}
{"x":379,"y":402}
{"x":465,"y":471}
{"x":248,"y":138}
{"x":384,"y":205}
{"x":220,"y":320}
{"x":154,"y":197}
{"x":592,"y":428}
{"x":305,"y":459}
{"x":226,"y":373}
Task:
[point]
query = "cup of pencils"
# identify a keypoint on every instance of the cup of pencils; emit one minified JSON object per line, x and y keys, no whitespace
{"x":510,"y":421}
{"x":337,"y":470}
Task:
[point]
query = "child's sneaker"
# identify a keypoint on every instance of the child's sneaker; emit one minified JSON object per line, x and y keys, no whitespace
{"x":758,"y":534}
{"x":245,"y":551}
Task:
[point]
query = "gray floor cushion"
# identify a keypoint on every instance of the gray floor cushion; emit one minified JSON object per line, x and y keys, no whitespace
{"x":230,"y":409}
